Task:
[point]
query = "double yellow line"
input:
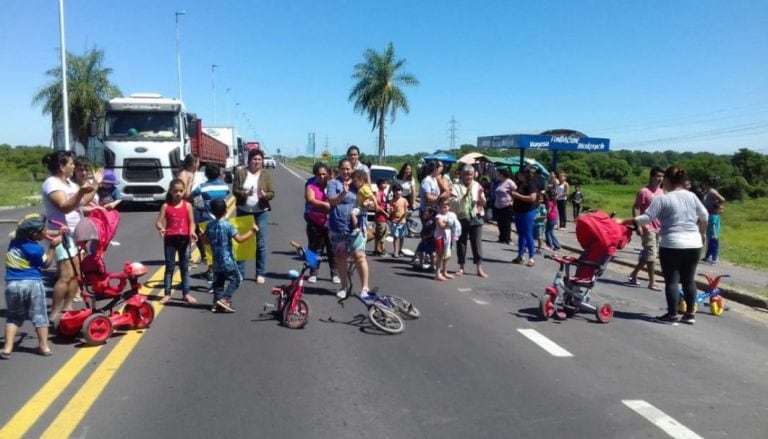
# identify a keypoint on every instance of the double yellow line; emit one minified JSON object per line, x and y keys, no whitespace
{"x":77,"y":407}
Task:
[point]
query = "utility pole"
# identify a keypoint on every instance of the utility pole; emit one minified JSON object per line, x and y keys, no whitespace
{"x":64,"y":98}
{"x":453,"y":129}
{"x":178,"y":54}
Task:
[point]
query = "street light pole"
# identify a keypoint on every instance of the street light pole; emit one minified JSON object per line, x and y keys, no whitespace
{"x":213,"y":90}
{"x":237,"y":107}
{"x":178,"y":53}
{"x":64,"y":97}
{"x":226,"y":96}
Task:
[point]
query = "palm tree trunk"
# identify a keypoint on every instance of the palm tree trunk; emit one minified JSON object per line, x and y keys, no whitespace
{"x":382,"y":121}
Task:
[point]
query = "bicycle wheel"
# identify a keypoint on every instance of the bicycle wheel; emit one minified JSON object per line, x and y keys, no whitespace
{"x":385,"y":320}
{"x":404,"y":307}
{"x":298,"y":317}
{"x":414,"y":226}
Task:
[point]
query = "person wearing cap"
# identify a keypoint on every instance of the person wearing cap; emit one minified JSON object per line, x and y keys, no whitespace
{"x":108,"y":194}
{"x":24,"y":289}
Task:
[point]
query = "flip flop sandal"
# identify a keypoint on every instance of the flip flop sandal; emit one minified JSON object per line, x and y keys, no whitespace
{"x":654,"y":288}
{"x":47,"y":353}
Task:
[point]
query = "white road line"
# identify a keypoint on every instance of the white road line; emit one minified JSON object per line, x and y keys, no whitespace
{"x":463,"y":290}
{"x":661,"y":419}
{"x":480,"y":302}
{"x":545,"y":343}
{"x":293,"y":172}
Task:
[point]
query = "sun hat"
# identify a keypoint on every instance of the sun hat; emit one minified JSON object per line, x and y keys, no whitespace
{"x":109,"y":177}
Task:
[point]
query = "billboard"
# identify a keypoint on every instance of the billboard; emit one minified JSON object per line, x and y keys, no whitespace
{"x":550,"y":143}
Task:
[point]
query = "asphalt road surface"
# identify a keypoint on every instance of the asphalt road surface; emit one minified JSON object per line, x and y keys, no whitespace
{"x":479,"y":363}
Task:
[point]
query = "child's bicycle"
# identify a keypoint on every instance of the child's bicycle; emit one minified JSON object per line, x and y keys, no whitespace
{"x":716,"y":302}
{"x":384,"y":311}
{"x":290,"y":307}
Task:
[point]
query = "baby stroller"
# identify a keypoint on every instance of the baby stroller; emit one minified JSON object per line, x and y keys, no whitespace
{"x":95,"y":323}
{"x":600,"y":237}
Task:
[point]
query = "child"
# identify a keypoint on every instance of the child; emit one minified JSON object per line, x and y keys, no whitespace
{"x":365,"y":200}
{"x":552,"y":219}
{"x":447,"y":230}
{"x":176,"y":223}
{"x":426,"y":248}
{"x":24,"y":289}
{"x":540,"y":221}
{"x":380,"y":218}
{"x":214,"y":188}
{"x":220,"y":234}
{"x":107,"y":193}
{"x":576,"y":199}
{"x":397,"y":219}
{"x":713,"y":233}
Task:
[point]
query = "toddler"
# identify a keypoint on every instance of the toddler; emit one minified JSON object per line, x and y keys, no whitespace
{"x":365,"y":200}
{"x":108,"y":194}
{"x":713,"y":233}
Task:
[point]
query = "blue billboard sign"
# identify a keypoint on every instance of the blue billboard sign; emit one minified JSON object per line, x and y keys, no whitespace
{"x":546,"y":142}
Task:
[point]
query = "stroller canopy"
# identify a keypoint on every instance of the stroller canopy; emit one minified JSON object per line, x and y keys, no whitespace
{"x":99,"y":226}
{"x":600,"y":235}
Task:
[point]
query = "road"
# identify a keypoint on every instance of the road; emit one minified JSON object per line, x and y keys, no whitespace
{"x":478,"y":364}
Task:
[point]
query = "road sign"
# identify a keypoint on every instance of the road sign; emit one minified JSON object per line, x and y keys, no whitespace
{"x":326,"y":156}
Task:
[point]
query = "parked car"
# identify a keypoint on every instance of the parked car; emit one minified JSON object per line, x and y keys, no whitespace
{"x":377,"y":173}
{"x":270,"y":162}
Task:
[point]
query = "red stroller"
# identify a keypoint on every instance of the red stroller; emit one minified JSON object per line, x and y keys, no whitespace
{"x":95,"y":323}
{"x":600,"y":237}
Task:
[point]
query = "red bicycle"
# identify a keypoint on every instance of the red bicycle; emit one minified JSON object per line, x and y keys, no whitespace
{"x":290,"y":307}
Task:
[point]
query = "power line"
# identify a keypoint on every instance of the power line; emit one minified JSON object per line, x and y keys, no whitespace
{"x":453,"y":130}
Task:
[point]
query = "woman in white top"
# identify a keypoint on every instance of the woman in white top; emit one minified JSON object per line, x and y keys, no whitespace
{"x":62,"y":199}
{"x":683,"y":221}
{"x":562,"y":191}
{"x":406,"y":180}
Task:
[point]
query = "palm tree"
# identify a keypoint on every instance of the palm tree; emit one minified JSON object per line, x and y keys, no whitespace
{"x":378,"y":91}
{"x":88,"y":87}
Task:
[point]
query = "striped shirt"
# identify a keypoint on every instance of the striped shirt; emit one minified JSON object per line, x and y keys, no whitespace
{"x":211,"y":190}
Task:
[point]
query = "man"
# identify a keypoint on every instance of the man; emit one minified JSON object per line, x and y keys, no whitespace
{"x":648,"y":233}
{"x":213,"y":189}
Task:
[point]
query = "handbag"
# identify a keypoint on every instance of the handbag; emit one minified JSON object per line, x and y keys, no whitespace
{"x":476,"y":219}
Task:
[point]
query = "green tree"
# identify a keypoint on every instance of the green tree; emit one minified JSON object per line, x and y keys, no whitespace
{"x":378,"y":89}
{"x":88,"y":87}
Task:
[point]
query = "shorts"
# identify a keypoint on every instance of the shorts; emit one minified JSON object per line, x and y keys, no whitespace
{"x":25,"y":299}
{"x":380,"y":231}
{"x":353,"y":242}
{"x":398,"y":230}
{"x":650,"y":242}
{"x":442,"y":247}
{"x":60,"y":252}
{"x":537,"y":232}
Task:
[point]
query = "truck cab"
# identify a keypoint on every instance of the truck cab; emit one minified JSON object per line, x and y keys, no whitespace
{"x":145,"y":138}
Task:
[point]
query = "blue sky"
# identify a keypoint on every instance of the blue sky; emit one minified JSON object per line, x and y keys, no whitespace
{"x":651,"y":75}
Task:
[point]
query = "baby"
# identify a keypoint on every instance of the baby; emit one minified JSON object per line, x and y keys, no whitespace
{"x":365,"y":200}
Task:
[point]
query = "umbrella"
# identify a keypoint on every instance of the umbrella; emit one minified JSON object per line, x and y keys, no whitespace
{"x":472,"y":157}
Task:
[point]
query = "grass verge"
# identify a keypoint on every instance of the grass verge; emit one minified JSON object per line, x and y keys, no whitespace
{"x":19,"y":193}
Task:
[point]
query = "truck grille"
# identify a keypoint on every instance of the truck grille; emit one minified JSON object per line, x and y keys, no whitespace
{"x":142,"y":170}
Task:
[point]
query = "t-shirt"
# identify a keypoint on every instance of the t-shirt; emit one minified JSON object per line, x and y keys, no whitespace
{"x":679,"y":212}
{"x":338,"y":217}
{"x":24,"y":260}
{"x":364,"y":192}
{"x":521,"y":206}
{"x":407,"y":186}
{"x":311,"y":213}
{"x":503,"y":193}
{"x":643,"y":200}
{"x":380,"y":199}
{"x":70,"y":188}
{"x":465,"y":200}
{"x":106,"y":195}
{"x":541,"y":216}
{"x":552,"y":214}
{"x":252,"y":182}
{"x":713,"y":226}
{"x":428,"y":186}
{"x":577,"y":198}
{"x":210,"y":190}
{"x":710,"y":198}
{"x":220,"y":234}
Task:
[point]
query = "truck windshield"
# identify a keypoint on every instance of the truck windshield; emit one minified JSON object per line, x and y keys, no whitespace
{"x":130,"y":125}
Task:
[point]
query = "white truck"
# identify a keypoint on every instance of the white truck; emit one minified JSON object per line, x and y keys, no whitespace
{"x":227,"y":136}
{"x":146,"y":137}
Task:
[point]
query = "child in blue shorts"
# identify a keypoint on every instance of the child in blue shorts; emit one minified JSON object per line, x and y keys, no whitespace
{"x":540,"y":222}
{"x":24,"y":290}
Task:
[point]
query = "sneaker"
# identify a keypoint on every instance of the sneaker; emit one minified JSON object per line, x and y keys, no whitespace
{"x":260,"y":279}
{"x":214,"y":307}
{"x":225,"y":304}
{"x":517,"y":260}
{"x":688,"y":318}
{"x":632,"y":280}
{"x":367,"y":298}
{"x":208,"y":276}
{"x":667,"y":318}
{"x":341,"y":294}
{"x":336,"y":279}
{"x":312,"y":279}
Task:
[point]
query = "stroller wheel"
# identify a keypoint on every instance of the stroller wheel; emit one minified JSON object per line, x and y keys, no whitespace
{"x":604,"y":313}
{"x":97,"y":329}
{"x":546,"y":306}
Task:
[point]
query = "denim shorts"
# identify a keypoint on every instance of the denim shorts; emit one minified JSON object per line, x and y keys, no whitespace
{"x":348,"y":243}
{"x":25,"y":299}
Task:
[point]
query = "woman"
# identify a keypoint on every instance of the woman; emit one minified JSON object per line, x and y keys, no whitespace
{"x":563,"y":191}
{"x":342,"y":197}
{"x":524,"y":207}
{"x":316,"y":209}
{"x":430,"y":191}
{"x":502,"y":205}
{"x":468,"y":204}
{"x":253,"y":190}
{"x":683,"y":221}
{"x":188,"y":174}
{"x":62,"y":199}
{"x":81,"y":176}
{"x":406,"y":181}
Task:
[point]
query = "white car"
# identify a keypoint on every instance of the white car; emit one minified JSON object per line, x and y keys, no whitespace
{"x":381,"y":172}
{"x":269,"y":162}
